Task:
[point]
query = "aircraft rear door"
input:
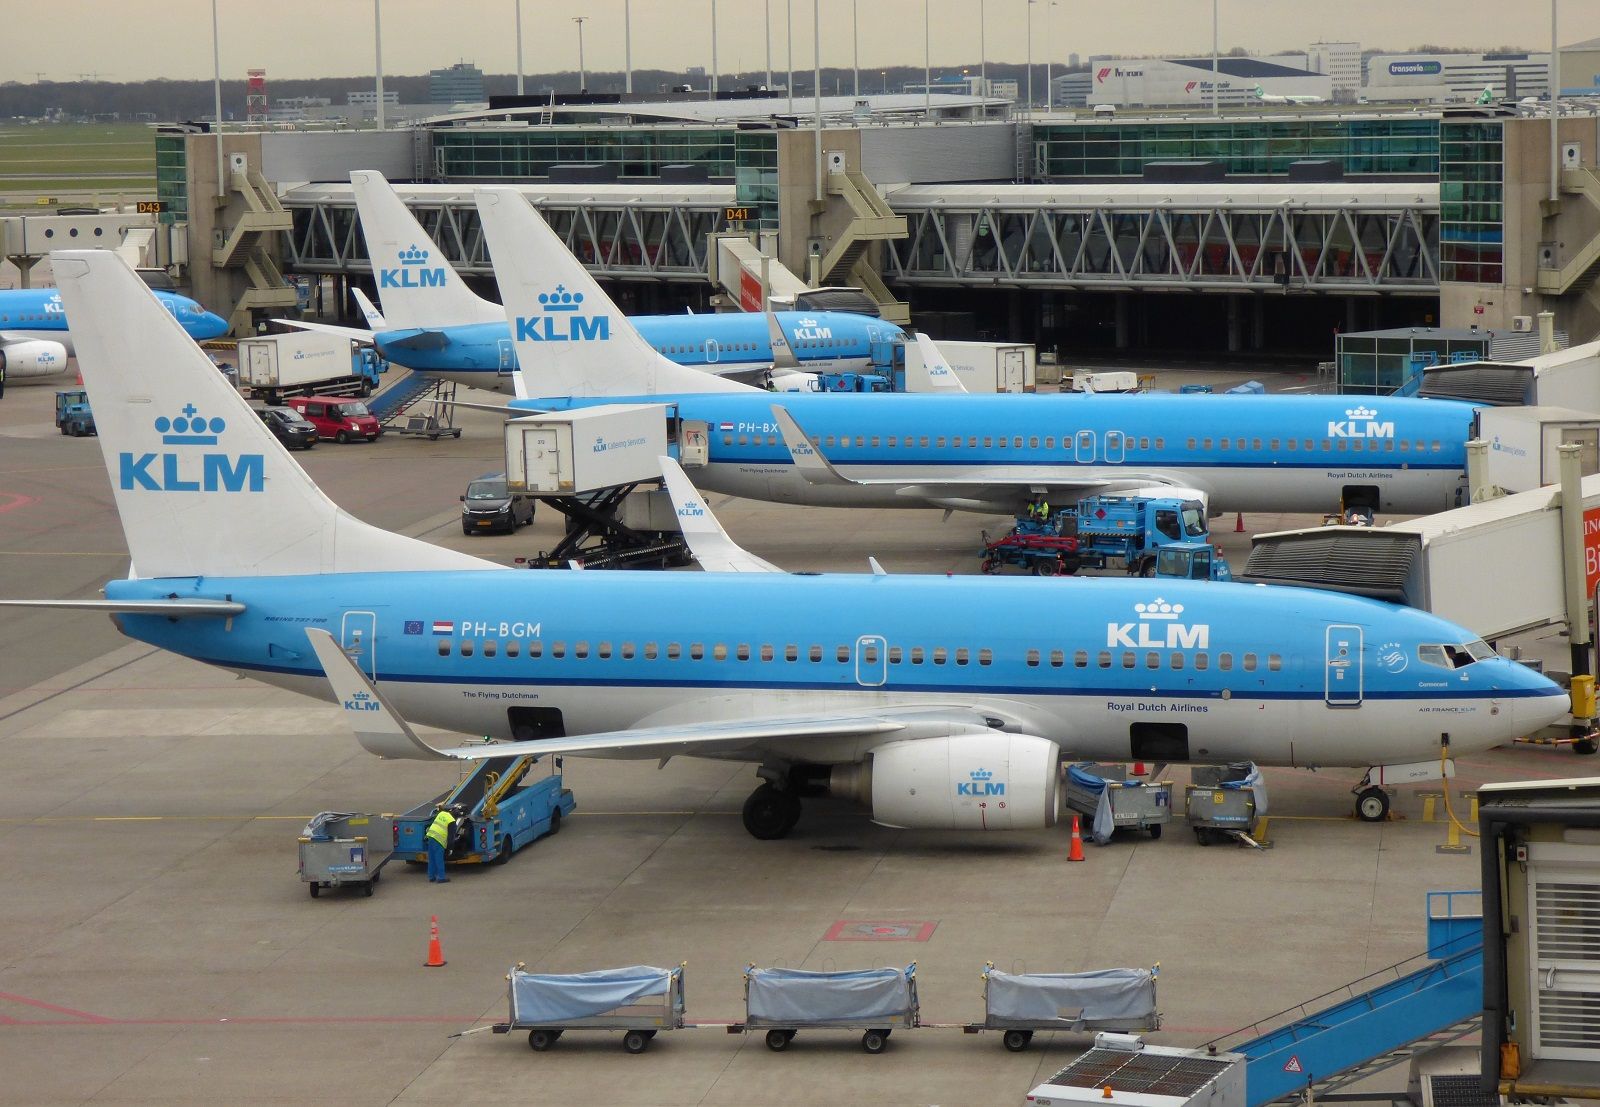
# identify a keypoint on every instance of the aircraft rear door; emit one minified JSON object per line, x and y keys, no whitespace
{"x":358,"y":635}
{"x":1342,"y":687}
{"x":1085,"y":447}
{"x":508,"y":357}
{"x":1114,"y":447}
{"x":872,"y":661}
{"x":713,"y":351}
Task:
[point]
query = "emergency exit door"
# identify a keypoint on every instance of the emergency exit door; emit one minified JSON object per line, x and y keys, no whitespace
{"x":508,"y":357}
{"x":358,"y":635}
{"x":872,"y":661}
{"x":1342,"y":686}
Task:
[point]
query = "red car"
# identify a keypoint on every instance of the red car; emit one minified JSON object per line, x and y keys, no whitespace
{"x":341,"y":419}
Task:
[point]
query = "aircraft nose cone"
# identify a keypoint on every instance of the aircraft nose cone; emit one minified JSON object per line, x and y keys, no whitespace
{"x":211,"y":325}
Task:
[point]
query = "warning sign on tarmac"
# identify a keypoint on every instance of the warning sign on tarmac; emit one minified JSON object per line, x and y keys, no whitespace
{"x":1292,"y":1065}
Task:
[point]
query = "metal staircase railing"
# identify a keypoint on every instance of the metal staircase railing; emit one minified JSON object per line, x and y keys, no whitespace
{"x":1582,"y":270}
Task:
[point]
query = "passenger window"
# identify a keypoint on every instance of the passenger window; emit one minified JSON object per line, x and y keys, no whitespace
{"x":1049,"y":441}
{"x":1274,"y":662}
{"x":791,"y":652}
{"x":490,"y":647}
{"x":1103,"y":659}
{"x":744,"y":440}
{"x":815,"y":653}
{"x":1224,"y":443}
{"x":1388,"y":445}
{"x":1327,"y":447}
{"x":1292,"y":443}
{"x":1175,"y":661}
{"x":923,"y":442}
{"x":719,"y":652}
{"x":467,"y":646}
{"x":1436,"y":446}
{"x":1003,"y":443}
{"x":941,"y":442}
{"x":535,"y":649}
{"x":1016,"y":442}
{"x":1152,"y":660}
{"x":649,"y":651}
{"x":962,"y":656}
{"x":829,"y":440}
{"x":841,"y":654}
{"x":1249,"y":660}
{"x":939,"y":655}
{"x":627,"y":651}
{"x":580,"y":649}
{"x":512,"y":648}
{"x":875,"y":442}
{"x":1191,"y":443}
{"x":1405,"y":446}
{"x":727,"y":440}
{"x":894,"y":655}
{"x":1033,"y":659}
{"x":1128,"y":659}
{"x":603,"y":651}
{"x":697,"y":651}
{"x":743,"y":652}
{"x":988,"y":442}
{"x":985,"y":657}
{"x":1033,"y":442}
{"x":892,"y":442}
{"x":869,"y":654}
{"x":444,"y":647}
{"x":1341,"y":445}
{"x":1058,"y":658}
{"x":1144,"y":443}
{"x":1255,"y":443}
{"x":1205,"y":443}
{"x":1202,"y":661}
{"x":766,"y":653}
{"x":972,"y":441}
{"x":1225,"y":661}
{"x":859,"y":441}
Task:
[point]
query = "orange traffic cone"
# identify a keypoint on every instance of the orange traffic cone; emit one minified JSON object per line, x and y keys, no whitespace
{"x":435,"y":950}
{"x":1238,"y":523}
{"x":1076,"y":853}
{"x":1138,"y":769}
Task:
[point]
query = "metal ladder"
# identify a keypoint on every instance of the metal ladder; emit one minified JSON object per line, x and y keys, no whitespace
{"x":1397,"y":1056}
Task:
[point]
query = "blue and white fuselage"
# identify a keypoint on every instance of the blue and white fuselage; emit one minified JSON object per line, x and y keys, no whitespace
{"x":484,"y":354}
{"x":37,"y":314}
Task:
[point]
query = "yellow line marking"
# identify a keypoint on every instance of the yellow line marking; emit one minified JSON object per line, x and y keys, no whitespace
{"x":290,"y":818}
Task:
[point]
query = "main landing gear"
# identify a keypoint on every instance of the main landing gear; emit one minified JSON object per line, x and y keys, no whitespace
{"x":771,"y":812}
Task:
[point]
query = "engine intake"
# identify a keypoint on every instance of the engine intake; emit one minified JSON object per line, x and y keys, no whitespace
{"x":984,"y":781}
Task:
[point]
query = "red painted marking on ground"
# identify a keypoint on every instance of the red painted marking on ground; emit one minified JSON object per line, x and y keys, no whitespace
{"x":43,"y":1006}
{"x":871,"y":930}
{"x":10,"y":501}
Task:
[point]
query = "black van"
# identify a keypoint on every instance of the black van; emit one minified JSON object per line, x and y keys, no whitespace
{"x":490,"y":506}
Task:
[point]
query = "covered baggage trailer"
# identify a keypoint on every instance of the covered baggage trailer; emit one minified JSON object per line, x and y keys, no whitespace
{"x":639,"y":1000}
{"x":1114,"y":802}
{"x":785,"y":1001}
{"x":1105,"y":999}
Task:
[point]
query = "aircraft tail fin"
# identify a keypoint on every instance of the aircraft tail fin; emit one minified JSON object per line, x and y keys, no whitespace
{"x":202,"y":486}
{"x":419,"y":288}
{"x":571,"y":339}
{"x":941,"y":378}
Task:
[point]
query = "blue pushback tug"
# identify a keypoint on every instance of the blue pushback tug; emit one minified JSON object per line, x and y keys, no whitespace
{"x":507,"y":807}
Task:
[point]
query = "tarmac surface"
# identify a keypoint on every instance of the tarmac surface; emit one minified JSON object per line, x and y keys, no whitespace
{"x":156,"y":945}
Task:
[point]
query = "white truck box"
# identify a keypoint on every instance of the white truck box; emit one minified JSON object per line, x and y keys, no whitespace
{"x":565,"y":453}
{"x":1115,"y":380}
{"x":292,"y":360}
{"x":1523,"y":444}
{"x":980,"y":366}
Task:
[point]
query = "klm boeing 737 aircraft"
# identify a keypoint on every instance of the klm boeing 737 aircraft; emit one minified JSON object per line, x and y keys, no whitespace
{"x":939,"y":702}
{"x":35,"y":341}
{"x":435,"y":324}
{"x":972,"y":452}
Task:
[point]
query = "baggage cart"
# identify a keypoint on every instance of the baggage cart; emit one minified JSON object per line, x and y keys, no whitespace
{"x":1225,"y":801}
{"x":338,"y":848}
{"x":1129,"y":804}
{"x":783,"y":1002}
{"x":1105,"y":999}
{"x":639,"y":1000}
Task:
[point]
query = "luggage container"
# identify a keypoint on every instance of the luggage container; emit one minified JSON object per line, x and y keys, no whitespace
{"x":785,"y":1001}
{"x":1114,"y":802}
{"x":1224,"y":801}
{"x":639,"y":1000}
{"x":337,"y":848}
{"x":1105,"y":999}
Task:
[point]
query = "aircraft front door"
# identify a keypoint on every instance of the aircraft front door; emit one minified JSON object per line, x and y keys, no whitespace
{"x":358,"y":635}
{"x":1342,"y":686}
{"x":872,"y":661}
{"x":1114,"y":447}
{"x":713,"y":351}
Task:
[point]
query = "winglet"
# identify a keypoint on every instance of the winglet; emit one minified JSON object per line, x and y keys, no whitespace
{"x":710,"y":544}
{"x":782,"y":352}
{"x":941,"y":378}
{"x":807,"y":458}
{"x":379,"y":728}
{"x":369,"y":310}
{"x":877,"y":570}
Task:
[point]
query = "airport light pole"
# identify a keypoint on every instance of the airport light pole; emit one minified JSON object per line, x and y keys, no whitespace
{"x":816,"y":87}
{"x":519,"y":47}
{"x":713,"y":49}
{"x":216,"y":88}
{"x":1215,"y":67}
{"x":855,"y":44}
{"x":1049,"y":26}
{"x":767,"y":4}
{"x":582,"y":76}
{"x":1030,"y":56}
{"x":1555,"y":108}
{"x":377,"y":41}
{"x":627,"y":46}
{"x":788,"y":41}
{"x":983,"y":48}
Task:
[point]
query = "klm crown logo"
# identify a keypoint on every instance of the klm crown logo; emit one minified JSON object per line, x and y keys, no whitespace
{"x":1158,"y":625}
{"x":808,"y":329}
{"x":691,"y":510}
{"x":562,"y":319}
{"x":361,"y":701}
{"x":1360,"y":422}
{"x":413,"y":271}
{"x":981,"y":782}
{"x":191,"y":471}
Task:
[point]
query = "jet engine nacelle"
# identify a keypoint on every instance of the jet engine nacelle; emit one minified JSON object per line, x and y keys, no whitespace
{"x":982,"y":781}
{"x":34,"y":358}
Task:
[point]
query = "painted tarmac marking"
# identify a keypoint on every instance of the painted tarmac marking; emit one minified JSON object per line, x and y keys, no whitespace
{"x":10,"y":501}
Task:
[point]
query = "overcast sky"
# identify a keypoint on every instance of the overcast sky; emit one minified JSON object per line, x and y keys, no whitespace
{"x":139,"y":39}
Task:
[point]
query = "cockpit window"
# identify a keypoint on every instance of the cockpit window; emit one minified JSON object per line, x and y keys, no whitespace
{"x":1449,"y":655}
{"x":1194,"y":519}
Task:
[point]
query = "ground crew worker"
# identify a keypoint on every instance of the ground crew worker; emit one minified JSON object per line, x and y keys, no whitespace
{"x":438,"y":836}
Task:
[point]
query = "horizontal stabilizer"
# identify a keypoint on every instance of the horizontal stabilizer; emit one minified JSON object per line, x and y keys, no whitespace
{"x":354,"y":334}
{"x":173,"y":609}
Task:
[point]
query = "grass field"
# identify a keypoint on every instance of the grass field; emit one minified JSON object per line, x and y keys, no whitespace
{"x":43,"y":160}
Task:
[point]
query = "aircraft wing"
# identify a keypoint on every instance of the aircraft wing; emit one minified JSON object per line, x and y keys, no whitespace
{"x":710,"y":544}
{"x":355,"y":334}
{"x":381,"y":730}
{"x":981,"y":486}
{"x":172,"y":609}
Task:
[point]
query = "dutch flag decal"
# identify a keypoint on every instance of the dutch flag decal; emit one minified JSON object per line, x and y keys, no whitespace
{"x":443,"y":628}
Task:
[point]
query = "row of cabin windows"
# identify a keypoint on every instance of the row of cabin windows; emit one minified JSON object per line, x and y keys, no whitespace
{"x":1130,"y":442}
{"x":697,"y":651}
{"x":32,"y":317}
{"x":1329,"y":445}
{"x":1129,"y":659}
{"x":751,"y":347}
{"x":896,"y":655}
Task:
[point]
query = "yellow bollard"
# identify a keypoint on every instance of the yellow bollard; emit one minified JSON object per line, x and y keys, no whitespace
{"x":1472,"y":807}
{"x":1260,"y":833}
{"x":1428,"y":801}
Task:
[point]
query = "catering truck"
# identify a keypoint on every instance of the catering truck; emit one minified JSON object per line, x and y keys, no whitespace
{"x":307,"y":363}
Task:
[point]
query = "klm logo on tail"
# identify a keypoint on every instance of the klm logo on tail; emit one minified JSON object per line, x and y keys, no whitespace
{"x":1360,"y":422}
{"x":1158,"y":628}
{"x":691,"y":510}
{"x":562,"y":320}
{"x":361,"y":701}
{"x":412,"y":272}
{"x":190,"y":471}
{"x":981,"y":784}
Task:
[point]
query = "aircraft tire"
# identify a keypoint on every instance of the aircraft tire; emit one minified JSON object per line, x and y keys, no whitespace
{"x":769,"y":814}
{"x":1372,"y":805}
{"x":1584,"y":747}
